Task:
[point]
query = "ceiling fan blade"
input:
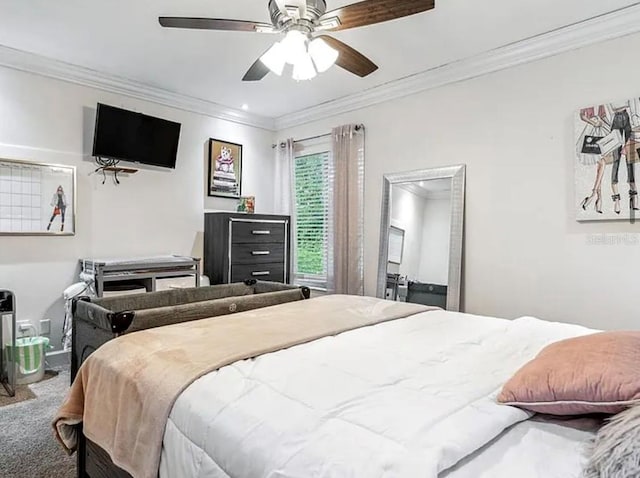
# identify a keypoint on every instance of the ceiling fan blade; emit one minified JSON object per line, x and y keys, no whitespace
{"x":257,"y":72}
{"x":370,"y":12}
{"x":350,"y":59}
{"x":216,"y":24}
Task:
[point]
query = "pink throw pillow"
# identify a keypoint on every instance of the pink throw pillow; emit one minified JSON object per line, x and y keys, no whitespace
{"x":597,"y":373}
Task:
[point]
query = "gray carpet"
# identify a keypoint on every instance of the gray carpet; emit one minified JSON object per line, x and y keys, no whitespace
{"x":27,"y":446}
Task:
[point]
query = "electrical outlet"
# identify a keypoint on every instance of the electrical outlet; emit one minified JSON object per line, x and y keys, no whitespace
{"x":45,"y":327}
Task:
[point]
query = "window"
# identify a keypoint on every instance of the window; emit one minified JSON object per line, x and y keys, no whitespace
{"x":312,"y":203}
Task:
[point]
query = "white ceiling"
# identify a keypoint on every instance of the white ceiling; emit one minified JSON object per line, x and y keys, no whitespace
{"x":123,"y":38}
{"x":430,"y":189}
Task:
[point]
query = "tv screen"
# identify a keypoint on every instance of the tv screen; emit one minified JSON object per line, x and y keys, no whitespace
{"x":129,"y":136}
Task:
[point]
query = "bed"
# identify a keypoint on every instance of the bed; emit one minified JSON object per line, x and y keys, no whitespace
{"x":412,"y":395}
{"x":359,"y":399}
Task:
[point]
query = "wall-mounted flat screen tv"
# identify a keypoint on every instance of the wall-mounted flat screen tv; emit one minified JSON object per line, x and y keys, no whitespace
{"x":129,"y":136}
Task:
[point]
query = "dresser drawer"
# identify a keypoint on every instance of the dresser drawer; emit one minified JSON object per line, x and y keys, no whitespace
{"x":257,"y":253}
{"x":257,"y":232}
{"x":267,"y":272}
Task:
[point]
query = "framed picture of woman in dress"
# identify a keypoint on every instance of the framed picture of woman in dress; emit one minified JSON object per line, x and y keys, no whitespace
{"x":225,"y":169}
{"x":607,"y":150}
{"x":37,"y":198}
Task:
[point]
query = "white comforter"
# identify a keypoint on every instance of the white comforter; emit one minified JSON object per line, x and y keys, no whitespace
{"x":542,"y":447}
{"x":408,"y":398}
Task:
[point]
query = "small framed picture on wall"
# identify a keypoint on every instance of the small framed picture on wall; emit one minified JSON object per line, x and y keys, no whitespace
{"x":225,"y":169}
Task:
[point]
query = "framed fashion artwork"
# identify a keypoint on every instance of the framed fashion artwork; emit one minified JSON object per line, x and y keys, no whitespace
{"x":607,"y":149}
{"x":225,"y":169}
{"x":37,"y":198}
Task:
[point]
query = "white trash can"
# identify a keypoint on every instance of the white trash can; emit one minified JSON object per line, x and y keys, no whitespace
{"x":28,"y":359}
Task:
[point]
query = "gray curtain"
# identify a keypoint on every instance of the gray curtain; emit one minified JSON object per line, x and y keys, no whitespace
{"x":346,"y":276}
{"x":284,"y":189}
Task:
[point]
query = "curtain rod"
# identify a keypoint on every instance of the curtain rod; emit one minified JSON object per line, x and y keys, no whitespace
{"x":282,"y":145}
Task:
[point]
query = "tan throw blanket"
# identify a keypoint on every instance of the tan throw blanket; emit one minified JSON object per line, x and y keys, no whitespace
{"x":125,"y":390}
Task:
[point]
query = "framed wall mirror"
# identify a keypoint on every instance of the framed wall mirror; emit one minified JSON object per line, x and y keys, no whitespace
{"x":425,"y":208}
{"x":37,"y":198}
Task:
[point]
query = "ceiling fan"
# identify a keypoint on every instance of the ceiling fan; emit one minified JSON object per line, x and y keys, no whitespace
{"x":300,"y":21}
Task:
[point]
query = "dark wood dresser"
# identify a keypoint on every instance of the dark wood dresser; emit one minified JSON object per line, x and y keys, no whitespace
{"x":238,"y":247}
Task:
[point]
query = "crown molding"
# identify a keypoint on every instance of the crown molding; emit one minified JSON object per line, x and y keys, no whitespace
{"x":59,"y":70}
{"x":619,"y":23}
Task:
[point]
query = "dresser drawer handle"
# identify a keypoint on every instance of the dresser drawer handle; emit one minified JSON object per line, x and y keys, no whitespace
{"x":261,"y":253}
{"x":259,"y":274}
{"x":261,"y":233}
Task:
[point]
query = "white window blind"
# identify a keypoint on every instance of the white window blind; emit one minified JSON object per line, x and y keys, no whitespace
{"x":312,"y":218}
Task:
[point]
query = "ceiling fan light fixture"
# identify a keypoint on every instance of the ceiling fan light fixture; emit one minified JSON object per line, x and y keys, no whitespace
{"x":323,"y":55}
{"x":275,"y":58}
{"x":304,"y":69}
{"x":294,"y":45}
{"x":300,"y":20}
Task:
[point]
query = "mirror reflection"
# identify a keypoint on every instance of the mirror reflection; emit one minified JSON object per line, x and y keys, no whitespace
{"x":419,"y":235}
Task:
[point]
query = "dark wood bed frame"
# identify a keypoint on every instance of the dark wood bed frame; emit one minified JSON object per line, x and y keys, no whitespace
{"x":90,"y":331}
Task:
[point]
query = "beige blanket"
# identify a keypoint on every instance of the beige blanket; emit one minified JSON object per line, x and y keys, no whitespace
{"x":124,"y":392}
